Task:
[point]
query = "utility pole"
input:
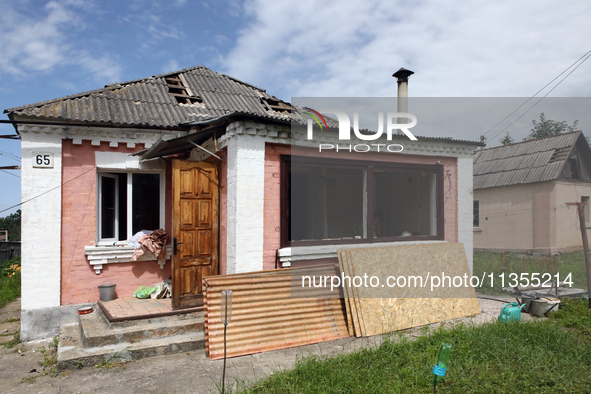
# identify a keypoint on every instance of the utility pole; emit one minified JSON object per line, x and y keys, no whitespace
{"x":581,"y":210}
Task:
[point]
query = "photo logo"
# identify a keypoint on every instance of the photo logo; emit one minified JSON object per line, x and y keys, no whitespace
{"x":345,"y":124}
{"x":315,"y":115}
{"x":392,"y":123}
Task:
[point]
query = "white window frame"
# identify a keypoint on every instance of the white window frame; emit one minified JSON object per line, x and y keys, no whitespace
{"x":587,"y":209}
{"x":162,"y":216}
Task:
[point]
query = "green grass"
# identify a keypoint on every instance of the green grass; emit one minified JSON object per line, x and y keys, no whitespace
{"x":575,"y":315}
{"x":10,"y":287}
{"x":501,"y":263}
{"x":535,"y":357}
{"x":16,"y":339}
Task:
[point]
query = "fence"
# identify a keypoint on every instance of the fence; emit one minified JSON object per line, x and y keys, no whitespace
{"x":8,"y":250}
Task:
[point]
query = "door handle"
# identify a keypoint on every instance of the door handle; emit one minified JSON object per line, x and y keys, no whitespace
{"x":174,"y":244}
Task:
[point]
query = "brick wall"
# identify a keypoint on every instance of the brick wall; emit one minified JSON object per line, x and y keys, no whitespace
{"x":272,"y":202}
{"x":245,"y":203}
{"x":78,"y":280}
{"x":40,"y":221}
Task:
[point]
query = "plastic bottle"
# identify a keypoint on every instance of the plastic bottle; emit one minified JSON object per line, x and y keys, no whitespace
{"x":441,"y":364}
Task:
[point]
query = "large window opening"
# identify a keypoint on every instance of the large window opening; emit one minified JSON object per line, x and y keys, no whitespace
{"x":335,"y":201}
{"x":404,"y":204}
{"x":128,"y":203}
{"x":327,"y":203}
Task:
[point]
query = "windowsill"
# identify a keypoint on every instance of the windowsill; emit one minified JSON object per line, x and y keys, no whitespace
{"x":477,"y":229}
{"x":101,"y":255}
{"x":302,"y":253}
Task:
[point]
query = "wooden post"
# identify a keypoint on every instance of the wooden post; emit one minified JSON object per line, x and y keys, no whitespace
{"x":581,"y":210}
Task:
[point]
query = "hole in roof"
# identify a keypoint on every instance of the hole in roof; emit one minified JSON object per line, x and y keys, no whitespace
{"x":178,"y":90}
{"x":273,"y":104}
{"x":559,"y":154}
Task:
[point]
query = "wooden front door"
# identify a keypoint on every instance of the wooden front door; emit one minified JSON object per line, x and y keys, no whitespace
{"x":195,"y":229}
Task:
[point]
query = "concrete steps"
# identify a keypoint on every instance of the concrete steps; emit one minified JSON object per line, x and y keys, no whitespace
{"x":95,"y":340}
{"x":98,"y":331}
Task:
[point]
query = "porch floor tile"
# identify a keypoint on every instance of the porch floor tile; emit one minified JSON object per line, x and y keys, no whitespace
{"x":129,"y":308}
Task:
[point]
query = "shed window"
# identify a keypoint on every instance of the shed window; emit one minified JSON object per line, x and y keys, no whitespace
{"x":336,"y":201}
{"x":476,"y":212}
{"x":128,"y":203}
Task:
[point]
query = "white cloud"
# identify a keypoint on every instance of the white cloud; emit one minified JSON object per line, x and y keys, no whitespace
{"x":103,"y":68}
{"x":39,"y":44}
{"x":172,"y":65}
{"x":457,"y":48}
{"x":160,"y":30}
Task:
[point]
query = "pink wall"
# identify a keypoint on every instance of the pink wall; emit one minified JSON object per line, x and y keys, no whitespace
{"x":78,"y":280}
{"x":272,"y":217}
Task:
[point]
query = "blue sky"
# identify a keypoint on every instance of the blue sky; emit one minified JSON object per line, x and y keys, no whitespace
{"x":500,"y":48}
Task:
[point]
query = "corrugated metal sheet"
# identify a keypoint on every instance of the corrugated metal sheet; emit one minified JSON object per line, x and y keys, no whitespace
{"x":265,"y":315}
{"x":523,"y":162}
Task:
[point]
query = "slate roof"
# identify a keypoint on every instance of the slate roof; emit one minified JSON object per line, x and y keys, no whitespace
{"x":148,"y":101}
{"x":532,"y":161}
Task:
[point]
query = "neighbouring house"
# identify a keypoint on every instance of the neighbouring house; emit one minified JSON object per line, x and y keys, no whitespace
{"x":521,"y":191}
{"x":209,"y":159}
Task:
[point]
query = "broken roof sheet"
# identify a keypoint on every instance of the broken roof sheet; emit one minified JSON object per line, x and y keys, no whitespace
{"x":148,"y":101}
{"x":537,"y":160}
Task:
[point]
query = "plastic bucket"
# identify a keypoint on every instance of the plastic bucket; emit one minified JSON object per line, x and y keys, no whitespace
{"x":107,"y":292}
{"x":542,"y":306}
{"x":527,"y":299}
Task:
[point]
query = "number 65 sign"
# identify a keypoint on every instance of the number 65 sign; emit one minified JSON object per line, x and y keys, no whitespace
{"x":43,"y":159}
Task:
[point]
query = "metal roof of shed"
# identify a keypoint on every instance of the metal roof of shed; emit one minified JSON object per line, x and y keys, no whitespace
{"x":523,"y":162}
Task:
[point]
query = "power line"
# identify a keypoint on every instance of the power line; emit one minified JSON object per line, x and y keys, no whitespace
{"x":47,"y":191}
{"x":544,"y":96}
{"x":10,"y":173}
{"x":10,"y":155}
{"x":534,"y":95}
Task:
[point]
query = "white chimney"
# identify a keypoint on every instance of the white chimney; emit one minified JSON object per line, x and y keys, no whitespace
{"x":402,"y":78}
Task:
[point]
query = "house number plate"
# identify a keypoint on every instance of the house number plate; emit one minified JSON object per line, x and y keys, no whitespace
{"x":43,"y":160}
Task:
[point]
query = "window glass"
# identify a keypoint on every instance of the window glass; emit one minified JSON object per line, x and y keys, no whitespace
{"x":122,"y":205}
{"x":476,"y":213}
{"x":108,"y":208}
{"x":145,"y":202}
{"x":587,"y":209}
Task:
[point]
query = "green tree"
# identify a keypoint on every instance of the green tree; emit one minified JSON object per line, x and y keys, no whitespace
{"x":12,"y":223}
{"x":547,"y":127}
{"x":507,"y":139}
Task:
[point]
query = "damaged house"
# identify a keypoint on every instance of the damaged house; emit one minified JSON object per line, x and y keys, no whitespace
{"x":209,"y":159}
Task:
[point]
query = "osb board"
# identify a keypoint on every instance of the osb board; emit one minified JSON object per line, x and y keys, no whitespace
{"x":353,"y":299}
{"x":372,"y":314}
{"x":265,"y":315}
